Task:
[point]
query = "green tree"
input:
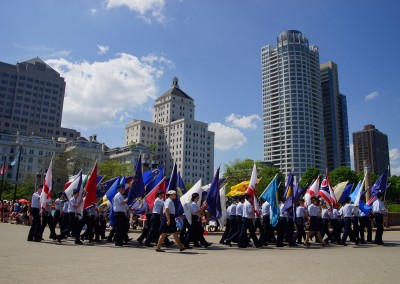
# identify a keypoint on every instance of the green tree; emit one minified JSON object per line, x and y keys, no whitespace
{"x":309,"y":176}
{"x":341,"y":174}
{"x":153,"y":147}
{"x":393,"y":192}
{"x":240,"y":170}
{"x":113,"y":168}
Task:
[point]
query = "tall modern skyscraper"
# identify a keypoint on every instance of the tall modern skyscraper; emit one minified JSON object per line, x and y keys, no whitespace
{"x":292,"y":104}
{"x":345,"y":155}
{"x":336,"y":133}
{"x":32,"y":99}
{"x":372,"y":147}
{"x":177,"y":136}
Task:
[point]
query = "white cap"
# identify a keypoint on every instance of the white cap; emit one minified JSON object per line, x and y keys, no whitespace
{"x":169,"y":192}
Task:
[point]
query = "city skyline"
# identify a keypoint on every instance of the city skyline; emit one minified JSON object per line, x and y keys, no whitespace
{"x":132,"y":50}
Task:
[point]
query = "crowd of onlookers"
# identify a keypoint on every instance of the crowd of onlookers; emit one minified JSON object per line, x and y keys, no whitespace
{"x":17,"y":212}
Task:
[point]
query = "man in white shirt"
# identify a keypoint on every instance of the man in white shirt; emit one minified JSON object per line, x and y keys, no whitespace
{"x":378,"y":208}
{"x":247,"y":223}
{"x":35,"y":232}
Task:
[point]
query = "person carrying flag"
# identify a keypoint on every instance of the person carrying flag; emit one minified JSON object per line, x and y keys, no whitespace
{"x":35,"y":232}
{"x":120,"y":211}
{"x":347,"y":213}
{"x":301,"y":213}
{"x":155,"y":219}
{"x":195,"y":232}
{"x":313,"y":211}
{"x":168,"y":223}
{"x":247,"y":223}
{"x":378,"y":208}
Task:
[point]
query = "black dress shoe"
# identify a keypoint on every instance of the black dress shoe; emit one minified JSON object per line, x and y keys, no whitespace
{"x":182,"y":249}
{"x":206,"y":245}
{"x":78,"y":243}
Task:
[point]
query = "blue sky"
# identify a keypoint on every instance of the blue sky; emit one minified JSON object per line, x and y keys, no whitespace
{"x":119,"y":55}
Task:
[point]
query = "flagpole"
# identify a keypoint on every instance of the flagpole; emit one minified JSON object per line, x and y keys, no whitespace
{"x":16,"y":178}
{"x":2,"y":179}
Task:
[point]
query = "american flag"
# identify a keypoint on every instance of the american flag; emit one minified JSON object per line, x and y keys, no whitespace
{"x":3,"y":169}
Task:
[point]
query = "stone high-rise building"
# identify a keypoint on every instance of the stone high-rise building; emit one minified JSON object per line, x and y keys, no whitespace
{"x":32,"y":99}
{"x":176,"y":136}
{"x":371,"y":147}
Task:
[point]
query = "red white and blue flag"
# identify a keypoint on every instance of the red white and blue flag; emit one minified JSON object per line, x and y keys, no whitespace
{"x":324,"y":192}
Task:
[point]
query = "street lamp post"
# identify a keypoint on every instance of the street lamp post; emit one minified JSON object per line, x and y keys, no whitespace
{"x":3,"y":169}
{"x":16,"y":178}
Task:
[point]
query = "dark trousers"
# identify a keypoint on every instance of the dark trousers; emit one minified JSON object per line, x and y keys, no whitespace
{"x":356,"y":229}
{"x":347,"y":230}
{"x":289,"y":234}
{"x":267,"y":230}
{"x":76,"y":226}
{"x":57,"y":219}
{"x":281,"y":230}
{"x":336,"y":230}
{"x":234,"y":228}
{"x":47,"y":219}
{"x":65,"y":222}
{"x":120,"y":228}
{"x":258,"y":225}
{"x":235,"y":237}
{"x":365,"y":223}
{"x":247,"y":225}
{"x":146,"y":229}
{"x":225,"y":235}
{"x":154,"y":230}
{"x":103,"y":225}
{"x":325,"y":229}
{"x":195,"y":232}
{"x":34,"y":231}
{"x":300,"y":233}
{"x":67,"y":225}
{"x":379,"y":228}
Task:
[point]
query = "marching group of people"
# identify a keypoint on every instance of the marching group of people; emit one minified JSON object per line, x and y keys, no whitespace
{"x":348,"y":221}
{"x":326,"y":225}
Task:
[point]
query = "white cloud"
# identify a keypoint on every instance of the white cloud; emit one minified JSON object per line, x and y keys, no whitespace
{"x":394,"y":155}
{"x":93,"y":11}
{"x":227,"y":138}
{"x":244,"y":122}
{"x":101,"y":93}
{"x":103,"y":49}
{"x":146,"y":9}
{"x":43,"y":51}
{"x":371,"y":96}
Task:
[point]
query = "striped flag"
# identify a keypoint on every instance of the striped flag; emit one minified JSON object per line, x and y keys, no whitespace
{"x":311,"y":191}
{"x":252,"y":188}
{"x":3,"y":169}
{"x":47,"y":186}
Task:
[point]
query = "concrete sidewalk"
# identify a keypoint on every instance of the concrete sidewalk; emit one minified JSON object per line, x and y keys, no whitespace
{"x":49,"y":262}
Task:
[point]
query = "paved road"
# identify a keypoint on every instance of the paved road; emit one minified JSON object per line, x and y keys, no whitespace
{"x":49,"y":262}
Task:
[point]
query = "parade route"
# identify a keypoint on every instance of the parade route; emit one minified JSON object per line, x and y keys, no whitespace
{"x":50,"y":262}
